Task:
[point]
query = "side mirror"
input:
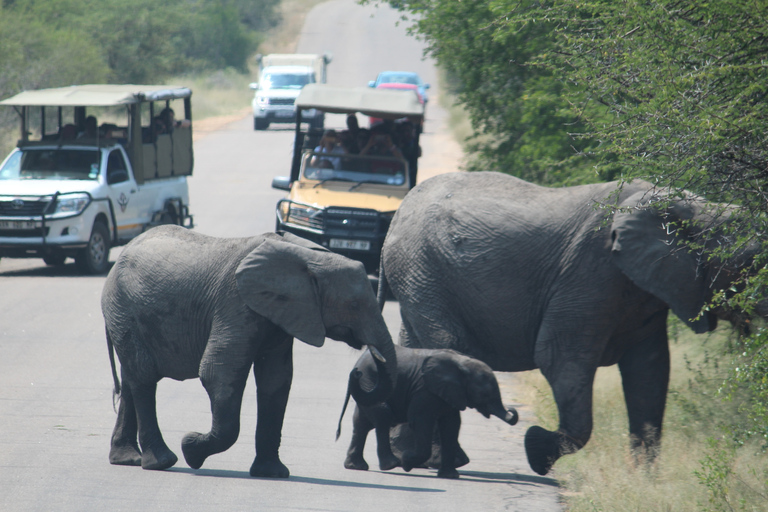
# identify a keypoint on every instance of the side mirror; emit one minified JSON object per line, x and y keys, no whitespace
{"x":372,"y":83}
{"x":254,"y":85}
{"x":281,"y":183}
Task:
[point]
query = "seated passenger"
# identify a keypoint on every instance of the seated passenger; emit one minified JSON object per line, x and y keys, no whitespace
{"x":329,"y":143}
{"x":90,"y":128}
{"x":380,"y":143}
{"x":168,"y":119}
{"x":68,"y":132}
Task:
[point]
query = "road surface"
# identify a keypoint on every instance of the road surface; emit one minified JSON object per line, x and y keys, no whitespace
{"x":56,"y":413}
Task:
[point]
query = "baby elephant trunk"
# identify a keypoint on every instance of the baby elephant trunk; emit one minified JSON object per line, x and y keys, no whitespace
{"x":511,"y":416}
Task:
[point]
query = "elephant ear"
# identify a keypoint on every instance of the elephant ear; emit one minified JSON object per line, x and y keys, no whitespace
{"x":444,"y":378}
{"x":274,"y":280}
{"x":647,"y":249}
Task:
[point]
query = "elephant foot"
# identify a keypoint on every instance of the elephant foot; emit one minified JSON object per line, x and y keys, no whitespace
{"x":543,"y":448}
{"x":269,"y":469}
{"x":448,"y":473}
{"x":388,"y":463}
{"x":128,"y":455}
{"x":158,"y":460}
{"x":193,"y":448}
{"x":411,"y":461}
{"x":356,"y":463}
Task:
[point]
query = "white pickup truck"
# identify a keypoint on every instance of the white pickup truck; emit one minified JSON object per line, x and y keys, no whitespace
{"x":73,"y":188}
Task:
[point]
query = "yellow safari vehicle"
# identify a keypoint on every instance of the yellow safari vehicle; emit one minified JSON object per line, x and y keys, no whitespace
{"x":344,"y":198}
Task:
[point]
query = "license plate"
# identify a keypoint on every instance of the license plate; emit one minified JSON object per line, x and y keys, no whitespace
{"x":17,"y":224}
{"x":284,"y":113}
{"x":355,"y":245}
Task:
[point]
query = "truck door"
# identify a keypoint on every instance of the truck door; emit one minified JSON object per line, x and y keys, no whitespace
{"x":124,"y":195}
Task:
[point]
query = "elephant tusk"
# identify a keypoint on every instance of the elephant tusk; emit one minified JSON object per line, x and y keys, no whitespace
{"x":375,"y":353}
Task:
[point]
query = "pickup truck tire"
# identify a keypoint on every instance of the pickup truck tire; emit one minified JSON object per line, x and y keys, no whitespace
{"x":259,"y":123}
{"x":94,"y":259}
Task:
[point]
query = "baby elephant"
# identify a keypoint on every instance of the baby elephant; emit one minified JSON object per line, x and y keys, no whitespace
{"x":432,"y":386}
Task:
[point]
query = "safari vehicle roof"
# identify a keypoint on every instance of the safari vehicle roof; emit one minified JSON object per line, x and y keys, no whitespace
{"x":97,"y":95}
{"x":380,"y":103}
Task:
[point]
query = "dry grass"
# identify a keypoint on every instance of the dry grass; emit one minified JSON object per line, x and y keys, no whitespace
{"x":604,"y":477}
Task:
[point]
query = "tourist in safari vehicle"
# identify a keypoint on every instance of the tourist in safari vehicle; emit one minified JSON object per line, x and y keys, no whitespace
{"x":345,"y":185}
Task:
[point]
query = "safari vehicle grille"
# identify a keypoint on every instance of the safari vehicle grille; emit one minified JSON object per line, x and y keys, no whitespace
{"x":282,"y":101}
{"x":353,"y":221}
{"x":23,"y":207}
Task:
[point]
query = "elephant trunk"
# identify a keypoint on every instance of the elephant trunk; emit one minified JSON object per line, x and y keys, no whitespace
{"x":381,"y":389}
{"x":511,"y":416}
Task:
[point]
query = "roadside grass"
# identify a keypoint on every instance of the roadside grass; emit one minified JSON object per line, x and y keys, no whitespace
{"x":699,"y":467}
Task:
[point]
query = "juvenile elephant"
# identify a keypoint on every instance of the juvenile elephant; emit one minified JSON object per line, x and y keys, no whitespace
{"x":184,"y":305}
{"x":431,"y":388}
{"x":522,"y":277}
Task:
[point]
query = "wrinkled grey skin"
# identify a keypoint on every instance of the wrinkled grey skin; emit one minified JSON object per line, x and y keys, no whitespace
{"x":431,"y":389}
{"x":522,"y":277}
{"x":183,"y":305}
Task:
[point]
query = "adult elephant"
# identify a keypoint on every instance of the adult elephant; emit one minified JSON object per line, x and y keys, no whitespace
{"x":522,"y":277}
{"x":180,"y":304}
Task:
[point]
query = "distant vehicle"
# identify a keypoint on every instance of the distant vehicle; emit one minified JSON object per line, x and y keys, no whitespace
{"x":64,"y":194}
{"x":281,"y":78}
{"x":401,"y":77}
{"x":398,"y":86}
{"x":346,"y":202}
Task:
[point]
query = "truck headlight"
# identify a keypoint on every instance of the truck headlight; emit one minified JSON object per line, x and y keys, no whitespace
{"x":261,"y":100}
{"x":68,"y":205}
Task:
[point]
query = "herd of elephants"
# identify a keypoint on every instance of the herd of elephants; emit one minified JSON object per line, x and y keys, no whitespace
{"x":491,"y":273}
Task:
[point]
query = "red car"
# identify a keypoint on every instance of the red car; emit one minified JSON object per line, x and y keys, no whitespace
{"x":402,"y":87}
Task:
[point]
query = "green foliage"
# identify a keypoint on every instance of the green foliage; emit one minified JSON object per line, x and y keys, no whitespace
{"x":524,"y":124}
{"x":61,"y":42}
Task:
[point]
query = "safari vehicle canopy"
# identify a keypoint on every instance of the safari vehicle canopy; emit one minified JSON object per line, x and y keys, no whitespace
{"x":61,"y":113}
{"x":345,"y":201}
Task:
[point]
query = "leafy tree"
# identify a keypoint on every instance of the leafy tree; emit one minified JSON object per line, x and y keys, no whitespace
{"x":671,"y":91}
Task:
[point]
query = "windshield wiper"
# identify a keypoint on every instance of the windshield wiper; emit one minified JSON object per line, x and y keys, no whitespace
{"x":331,"y":179}
{"x":365,"y":182}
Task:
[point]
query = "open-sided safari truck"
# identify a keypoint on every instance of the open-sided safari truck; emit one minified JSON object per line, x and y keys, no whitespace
{"x":96,"y":165}
{"x":345,"y":200}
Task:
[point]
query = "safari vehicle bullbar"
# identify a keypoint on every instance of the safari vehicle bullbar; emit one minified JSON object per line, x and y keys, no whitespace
{"x":345,"y":202}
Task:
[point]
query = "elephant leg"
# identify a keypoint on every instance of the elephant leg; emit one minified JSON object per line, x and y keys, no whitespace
{"x":383,"y":420}
{"x":422,"y":423}
{"x":645,"y":377}
{"x":124,"y":448}
{"x":361,"y":425}
{"x":449,"y":425}
{"x":225,"y":386}
{"x":155,"y":454}
{"x":273,"y":370}
{"x":571,"y":380}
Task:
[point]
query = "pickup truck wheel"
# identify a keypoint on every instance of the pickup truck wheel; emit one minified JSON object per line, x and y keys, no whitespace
{"x":94,"y":259}
{"x":259,"y":123}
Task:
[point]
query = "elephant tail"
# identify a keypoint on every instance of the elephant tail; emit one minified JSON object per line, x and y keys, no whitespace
{"x":344,"y":409}
{"x":116,"y":390}
{"x":383,"y":288}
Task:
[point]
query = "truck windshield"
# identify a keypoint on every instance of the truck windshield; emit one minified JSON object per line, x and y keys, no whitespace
{"x":359,"y":169}
{"x":52,"y":164}
{"x":285,"y":80}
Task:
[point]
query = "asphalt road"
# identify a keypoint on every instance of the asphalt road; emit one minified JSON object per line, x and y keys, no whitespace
{"x":56,"y":413}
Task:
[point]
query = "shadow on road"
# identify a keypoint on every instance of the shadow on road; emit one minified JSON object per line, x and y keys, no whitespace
{"x":67,"y":270}
{"x":223,"y":473}
{"x":517,"y":478}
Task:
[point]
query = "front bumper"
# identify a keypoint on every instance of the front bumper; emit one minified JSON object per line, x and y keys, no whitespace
{"x":357,"y":233}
